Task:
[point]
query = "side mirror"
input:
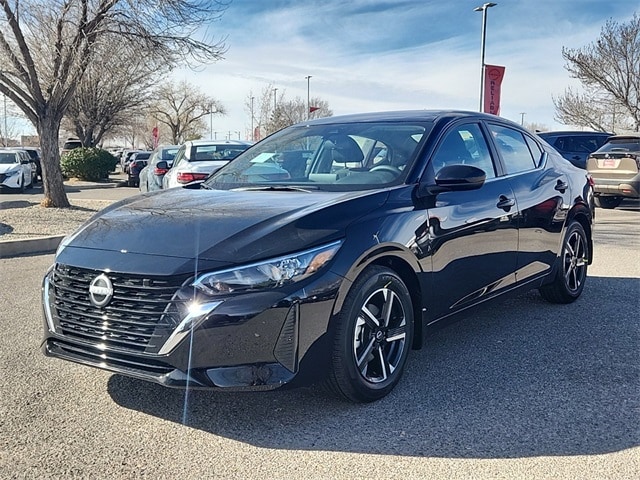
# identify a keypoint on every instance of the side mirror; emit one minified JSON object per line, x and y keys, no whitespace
{"x":456,"y":178}
{"x":162,"y":165}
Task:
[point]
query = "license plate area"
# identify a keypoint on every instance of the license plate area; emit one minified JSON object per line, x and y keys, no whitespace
{"x":608,"y":163}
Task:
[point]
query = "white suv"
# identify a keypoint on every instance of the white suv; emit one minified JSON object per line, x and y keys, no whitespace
{"x":197,"y":159}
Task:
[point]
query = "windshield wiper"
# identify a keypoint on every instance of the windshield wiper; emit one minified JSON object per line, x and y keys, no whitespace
{"x":275,"y":188}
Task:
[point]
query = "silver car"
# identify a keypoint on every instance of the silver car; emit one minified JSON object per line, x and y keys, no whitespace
{"x":197,"y":159}
{"x":615,"y":169}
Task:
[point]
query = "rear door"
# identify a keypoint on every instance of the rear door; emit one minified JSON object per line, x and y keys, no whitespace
{"x":472,"y":235}
{"x":542,"y":194}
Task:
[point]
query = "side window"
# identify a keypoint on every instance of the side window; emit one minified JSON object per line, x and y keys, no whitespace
{"x":513,"y":149}
{"x":464,"y":145}
{"x":535,"y":150}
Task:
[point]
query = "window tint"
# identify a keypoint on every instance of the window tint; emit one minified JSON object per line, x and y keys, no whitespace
{"x":464,"y":145}
{"x":513,"y":149}
{"x":579,"y":143}
{"x":622,"y":145}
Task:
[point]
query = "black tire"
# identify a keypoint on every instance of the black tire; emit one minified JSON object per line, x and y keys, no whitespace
{"x":21,"y":187}
{"x":130,"y":181}
{"x":608,"y":202}
{"x":373,"y":337}
{"x":571,"y":275}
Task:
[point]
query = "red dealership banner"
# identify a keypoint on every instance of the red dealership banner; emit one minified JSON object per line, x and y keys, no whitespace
{"x":493,"y":75}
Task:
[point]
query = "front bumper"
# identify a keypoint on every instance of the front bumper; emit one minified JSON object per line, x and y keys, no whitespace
{"x":254,"y":341}
{"x":10,"y":181}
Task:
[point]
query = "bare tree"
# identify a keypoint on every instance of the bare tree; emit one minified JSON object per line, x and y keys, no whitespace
{"x":182,"y":107}
{"x":111,"y":92}
{"x":609,"y":71}
{"x":272,"y":112}
{"x":47,"y":48}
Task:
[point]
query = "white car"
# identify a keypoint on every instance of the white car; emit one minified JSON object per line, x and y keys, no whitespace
{"x":197,"y":159}
{"x":17,"y":170}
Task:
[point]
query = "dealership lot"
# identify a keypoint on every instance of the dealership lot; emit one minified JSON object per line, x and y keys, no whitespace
{"x":551,"y":392}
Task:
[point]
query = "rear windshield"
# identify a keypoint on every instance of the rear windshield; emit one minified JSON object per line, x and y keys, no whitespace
{"x":72,"y":145}
{"x":622,"y":145}
{"x":208,"y":153}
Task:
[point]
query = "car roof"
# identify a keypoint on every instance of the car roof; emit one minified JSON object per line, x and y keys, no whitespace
{"x":572,"y":132}
{"x":407,"y":116}
{"x":216,"y":142}
{"x":629,"y":136}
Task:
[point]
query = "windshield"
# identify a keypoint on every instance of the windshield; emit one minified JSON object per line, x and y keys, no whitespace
{"x":6,"y":158}
{"x":350,"y":156}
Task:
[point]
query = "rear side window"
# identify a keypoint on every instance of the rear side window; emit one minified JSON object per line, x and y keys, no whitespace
{"x":579,"y":143}
{"x":514,"y":150}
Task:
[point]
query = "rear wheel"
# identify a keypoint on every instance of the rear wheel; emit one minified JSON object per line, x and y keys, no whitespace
{"x":608,"y":202}
{"x":572,"y":273}
{"x":373,"y":337}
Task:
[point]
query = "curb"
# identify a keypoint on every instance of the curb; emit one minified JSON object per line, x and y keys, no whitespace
{"x":29,"y":246}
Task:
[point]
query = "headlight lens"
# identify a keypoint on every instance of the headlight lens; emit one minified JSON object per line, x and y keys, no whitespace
{"x":268,"y":274}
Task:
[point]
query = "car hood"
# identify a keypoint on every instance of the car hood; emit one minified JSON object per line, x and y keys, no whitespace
{"x":9,"y":167}
{"x":224,"y":227}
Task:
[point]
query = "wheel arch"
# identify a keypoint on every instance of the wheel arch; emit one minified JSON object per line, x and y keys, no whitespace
{"x":583,"y":218}
{"x":405,"y":265}
{"x":411,"y":281}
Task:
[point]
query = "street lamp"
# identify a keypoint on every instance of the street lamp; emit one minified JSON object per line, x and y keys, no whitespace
{"x":252,"y":135}
{"x":211,"y":121}
{"x":308,"y":77}
{"x":483,"y":9}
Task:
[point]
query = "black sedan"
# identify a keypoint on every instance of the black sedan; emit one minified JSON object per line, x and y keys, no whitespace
{"x":323,"y":253}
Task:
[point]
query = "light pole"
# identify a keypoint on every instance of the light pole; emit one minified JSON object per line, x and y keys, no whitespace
{"x":275,"y":101}
{"x":522,"y":114}
{"x":483,"y":9}
{"x":252,"y":136}
{"x":308,"y":77}
{"x":211,"y":121}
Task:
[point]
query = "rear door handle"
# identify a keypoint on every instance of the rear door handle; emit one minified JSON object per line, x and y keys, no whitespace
{"x":561,"y":186}
{"x":505,"y":203}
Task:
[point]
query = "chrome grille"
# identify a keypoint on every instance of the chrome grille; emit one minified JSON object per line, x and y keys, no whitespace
{"x":139,"y":317}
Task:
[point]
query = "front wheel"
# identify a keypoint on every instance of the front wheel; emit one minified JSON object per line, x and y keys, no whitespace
{"x":373,"y":337}
{"x":608,"y":202}
{"x":572,"y":272}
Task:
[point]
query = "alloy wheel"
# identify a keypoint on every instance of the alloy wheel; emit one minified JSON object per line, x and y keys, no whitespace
{"x":380,"y":336}
{"x":575,"y":261}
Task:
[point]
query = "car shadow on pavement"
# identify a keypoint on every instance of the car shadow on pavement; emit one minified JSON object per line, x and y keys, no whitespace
{"x":517,"y":378}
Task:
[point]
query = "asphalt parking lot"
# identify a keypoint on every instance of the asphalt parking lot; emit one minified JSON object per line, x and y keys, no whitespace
{"x":517,"y":389}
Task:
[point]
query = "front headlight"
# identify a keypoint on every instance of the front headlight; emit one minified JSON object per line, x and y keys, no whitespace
{"x":268,"y":274}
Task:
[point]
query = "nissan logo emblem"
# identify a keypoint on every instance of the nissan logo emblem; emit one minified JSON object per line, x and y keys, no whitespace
{"x":100,"y":290}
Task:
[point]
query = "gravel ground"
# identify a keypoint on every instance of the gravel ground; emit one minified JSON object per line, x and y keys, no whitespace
{"x":20,"y":220}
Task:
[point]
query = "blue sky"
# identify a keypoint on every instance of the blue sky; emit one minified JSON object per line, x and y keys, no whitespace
{"x":374,"y":55}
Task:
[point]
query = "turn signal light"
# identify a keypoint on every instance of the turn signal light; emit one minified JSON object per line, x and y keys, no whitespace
{"x":160,"y":171}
